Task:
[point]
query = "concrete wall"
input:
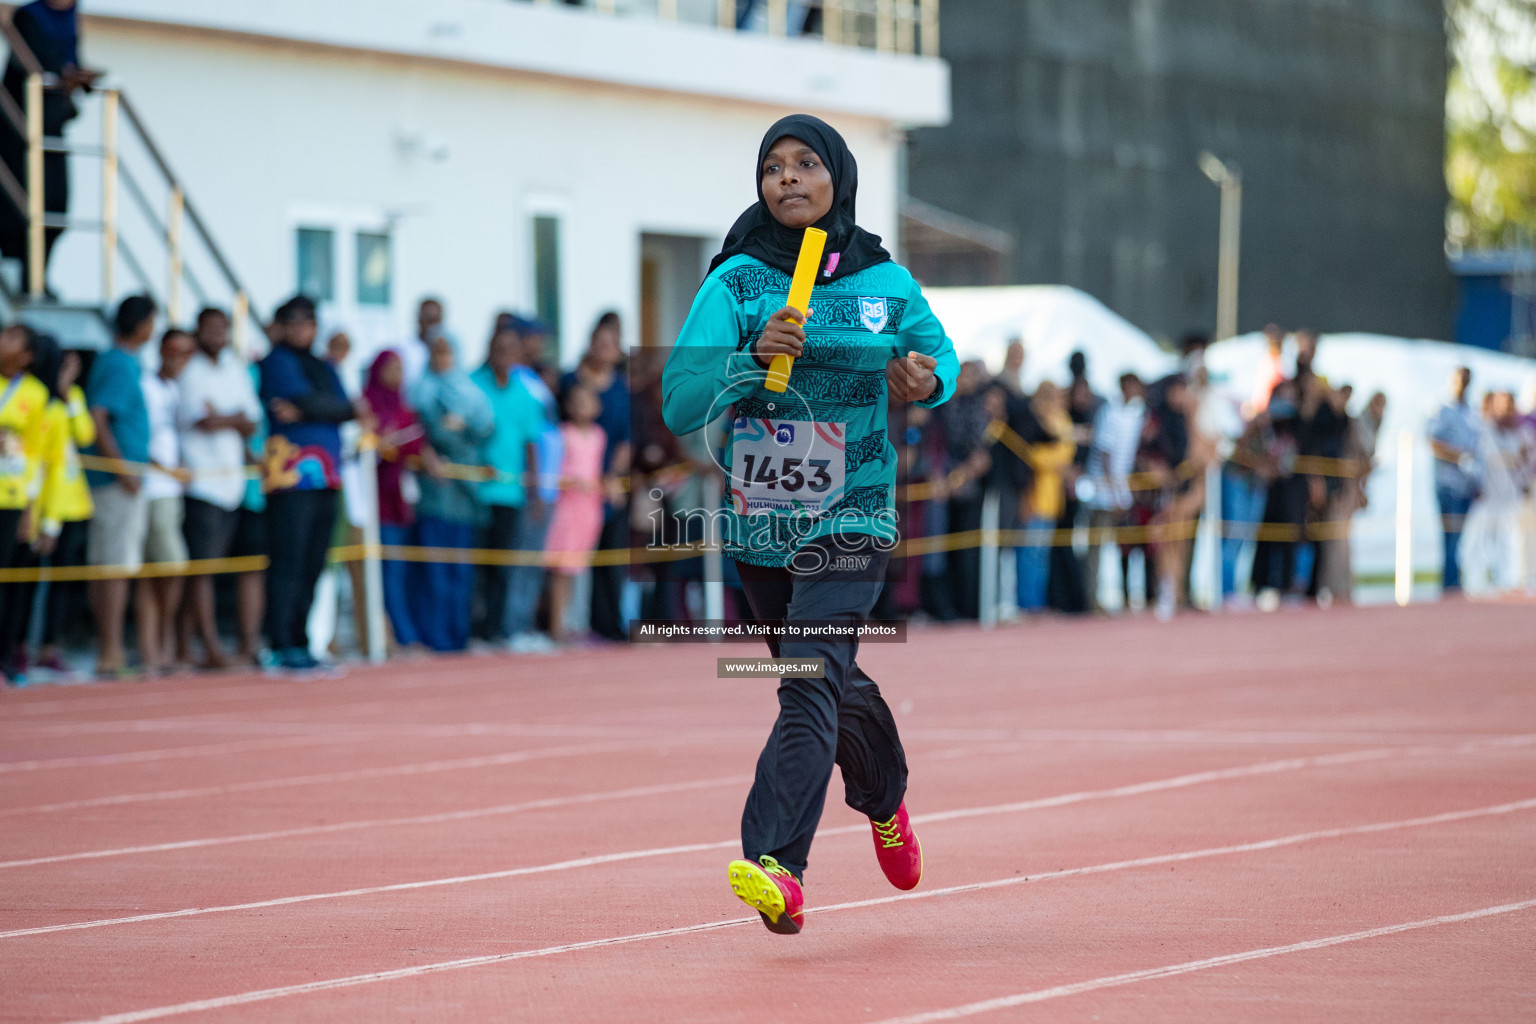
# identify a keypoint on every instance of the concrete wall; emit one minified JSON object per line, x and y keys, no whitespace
{"x":455,"y":153}
{"x":1077,"y":124}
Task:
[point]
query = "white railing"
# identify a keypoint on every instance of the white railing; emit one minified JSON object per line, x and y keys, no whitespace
{"x":160,"y":221}
{"x":888,"y":26}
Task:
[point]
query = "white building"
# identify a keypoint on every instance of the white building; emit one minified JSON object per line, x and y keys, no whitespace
{"x":501,"y":154}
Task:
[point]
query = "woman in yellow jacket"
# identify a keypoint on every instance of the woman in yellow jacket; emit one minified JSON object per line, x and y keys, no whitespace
{"x":23,"y":403}
{"x":1042,"y":503}
{"x":64,"y":506}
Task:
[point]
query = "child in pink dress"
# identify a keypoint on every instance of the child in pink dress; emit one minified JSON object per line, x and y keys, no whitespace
{"x":577,"y":521}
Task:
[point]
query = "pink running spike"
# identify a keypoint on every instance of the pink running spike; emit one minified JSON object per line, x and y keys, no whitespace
{"x":898,"y":849}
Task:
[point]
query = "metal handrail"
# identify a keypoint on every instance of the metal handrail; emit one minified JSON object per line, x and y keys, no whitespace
{"x":27,"y":121}
{"x":188,"y":209}
{"x":23,"y":53}
{"x":14,"y":190}
{"x":13,"y":112}
{"x":138,"y":270}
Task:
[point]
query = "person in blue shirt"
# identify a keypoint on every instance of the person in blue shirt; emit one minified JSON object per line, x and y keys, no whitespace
{"x":512,"y":454}
{"x":305,"y":405}
{"x":1453,"y":438}
{"x":114,"y":394}
{"x":457,"y":417}
{"x":526,"y":582}
{"x":251,"y":539}
{"x":809,"y":517}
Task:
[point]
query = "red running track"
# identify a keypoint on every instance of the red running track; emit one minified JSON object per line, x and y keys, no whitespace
{"x":1302,"y":816}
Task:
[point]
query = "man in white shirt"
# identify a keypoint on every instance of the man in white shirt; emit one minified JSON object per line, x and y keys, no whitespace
{"x":158,"y":598}
{"x":217,"y":413}
{"x":1116,"y":437}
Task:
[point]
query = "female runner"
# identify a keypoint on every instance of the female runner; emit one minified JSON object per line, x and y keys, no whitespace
{"x":810,"y":519}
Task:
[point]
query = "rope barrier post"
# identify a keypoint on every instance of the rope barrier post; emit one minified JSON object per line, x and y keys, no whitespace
{"x":373,"y":570}
{"x":173,"y":254}
{"x":929,"y":13}
{"x":714,"y":563}
{"x":239,"y":328}
{"x":885,"y":26}
{"x":988,"y":589}
{"x":35,"y":283}
{"x":1214,"y":531}
{"x":1403,"y":570}
{"x":1007,"y":581}
{"x":109,"y":110}
{"x":906,"y":28}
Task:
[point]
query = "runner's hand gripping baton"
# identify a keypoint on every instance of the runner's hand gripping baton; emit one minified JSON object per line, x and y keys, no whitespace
{"x":800,"y":298}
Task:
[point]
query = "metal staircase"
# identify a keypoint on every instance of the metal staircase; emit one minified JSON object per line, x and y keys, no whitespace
{"x":155,"y":243}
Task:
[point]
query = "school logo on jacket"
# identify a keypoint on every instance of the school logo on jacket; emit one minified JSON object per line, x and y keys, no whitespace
{"x":873,"y":314}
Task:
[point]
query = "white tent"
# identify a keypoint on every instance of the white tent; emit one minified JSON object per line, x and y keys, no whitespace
{"x":1052,"y":321}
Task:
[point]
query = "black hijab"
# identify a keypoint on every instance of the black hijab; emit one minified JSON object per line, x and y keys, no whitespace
{"x":760,"y":236}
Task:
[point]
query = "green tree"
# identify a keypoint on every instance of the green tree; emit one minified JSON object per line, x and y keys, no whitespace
{"x":1490,"y":158}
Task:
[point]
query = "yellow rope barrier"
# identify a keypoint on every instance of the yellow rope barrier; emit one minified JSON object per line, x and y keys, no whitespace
{"x":123,"y":467}
{"x":74,"y":573}
{"x":513,"y":556}
{"x":445,"y":470}
{"x":912,"y":547}
{"x":997,"y":430}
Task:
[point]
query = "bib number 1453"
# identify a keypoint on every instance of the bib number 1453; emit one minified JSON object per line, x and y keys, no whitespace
{"x":785,"y":465}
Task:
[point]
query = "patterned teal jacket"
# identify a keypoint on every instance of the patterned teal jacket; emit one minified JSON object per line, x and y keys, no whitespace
{"x":814,"y":460}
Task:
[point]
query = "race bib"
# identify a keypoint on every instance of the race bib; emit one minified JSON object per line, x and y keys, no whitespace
{"x":13,"y":457}
{"x":786,"y":465}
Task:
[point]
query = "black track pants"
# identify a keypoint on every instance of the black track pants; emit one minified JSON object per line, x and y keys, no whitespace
{"x":840,"y":719}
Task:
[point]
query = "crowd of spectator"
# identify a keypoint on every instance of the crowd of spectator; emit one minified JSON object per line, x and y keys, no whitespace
{"x":204,"y":465}
{"x":497,"y":486}
{"x":1485,"y":485}
{"x":1075,"y":472}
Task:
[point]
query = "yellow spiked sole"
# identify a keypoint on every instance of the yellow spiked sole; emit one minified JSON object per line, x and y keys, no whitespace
{"x":753,"y":886}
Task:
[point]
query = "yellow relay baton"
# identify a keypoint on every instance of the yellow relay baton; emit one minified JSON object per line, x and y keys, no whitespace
{"x":800,"y":298}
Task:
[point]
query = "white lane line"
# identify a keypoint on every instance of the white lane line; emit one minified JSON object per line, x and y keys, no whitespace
{"x":431,"y":883}
{"x":416,"y":768}
{"x":1133,"y":789}
{"x":1182,"y":780}
{"x":420,"y":819}
{"x":431,"y":674}
{"x":342,"y":736}
{"x":1496,"y":810}
{"x":379,"y":713}
{"x":181,"y":794}
{"x":1013,"y":738}
{"x":359,"y":730}
{"x":1189,"y":966}
{"x":262,"y":995}
{"x":208,"y":722}
{"x":1177,"y":782}
{"x":170,"y":753}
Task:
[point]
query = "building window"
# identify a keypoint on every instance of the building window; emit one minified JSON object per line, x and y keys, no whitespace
{"x":373,"y":269}
{"x":317,"y":264}
{"x":546,"y":273}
